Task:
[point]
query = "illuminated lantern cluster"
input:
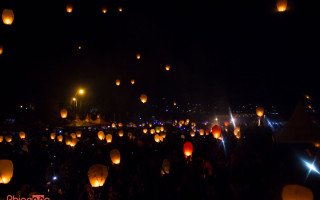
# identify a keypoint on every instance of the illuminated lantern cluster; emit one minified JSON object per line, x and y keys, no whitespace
{"x":187,"y":149}
{"x":109,"y":138}
{"x":6,"y":171}
{"x":282,"y":5}
{"x":296,"y":192}
{"x":165,"y":167}
{"x":118,"y":82}
{"x":7,"y":16}
{"x":69,"y":8}
{"x":115,"y":156}
{"x":22,"y":135}
{"x":143,"y":98}
{"x":64,"y":113}
{"x":73,"y":142}
{"x":101,"y":135}
{"x":97,"y":175}
{"x":216,"y":131}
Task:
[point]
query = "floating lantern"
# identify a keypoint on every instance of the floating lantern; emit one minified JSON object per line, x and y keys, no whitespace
{"x":216,"y":131}
{"x":157,"y":129}
{"x":73,"y":135}
{"x":7,"y":16}
{"x":104,"y":9}
{"x":78,"y":134}
{"x":150,"y":125}
{"x":143,"y":98}
{"x":174,"y":103}
{"x":97,"y":175}
{"x":165,"y":167}
{"x":73,"y":142}
{"x":109,"y":138}
{"x":187,"y":149}
{"x":145,"y":130}
{"x":64,"y":113}
{"x":192,"y":133}
{"x":101,"y":135}
{"x":120,"y":125}
{"x":260,"y":111}
{"x":167,"y":67}
{"x":6,"y":171}
{"x":236,"y":132}
{"x":201,"y":132}
{"x":132,"y":81}
{"x":161,"y":128}
{"x":115,"y":156}
{"x":296,"y":192}
{"x":1,"y":138}
{"x":163,"y":135}
{"x":69,"y":8}
{"x":1,"y":50}
{"x":282,"y":5}
{"x":60,"y":138}
{"x":52,"y":136}
{"x":120,"y":133}
{"x":8,"y":138}
{"x":113,"y":125}
{"x":68,"y":141}
{"x":120,"y":9}
{"x":138,"y":56}
{"x":118,"y":82}
{"x":156,"y":138}
{"x":226,"y":123}
{"x":152,"y":131}
{"x":22,"y":135}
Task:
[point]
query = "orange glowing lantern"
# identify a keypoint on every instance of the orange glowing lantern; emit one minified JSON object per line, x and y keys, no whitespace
{"x":52,"y":136}
{"x":120,"y":133}
{"x":113,"y":125}
{"x":1,"y":138}
{"x":120,"y":125}
{"x":120,"y":9}
{"x":7,"y":16}
{"x":236,"y":132}
{"x":73,"y":142}
{"x":187,"y":149}
{"x":22,"y":135}
{"x":78,"y":134}
{"x":152,"y":131}
{"x":69,"y":8}
{"x":101,"y":135}
{"x":60,"y":138}
{"x":118,"y":82}
{"x":115,"y":156}
{"x":282,"y":5}
{"x":104,"y":9}
{"x":64,"y":113}
{"x":143,"y":98}
{"x":145,"y":130}
{"x":167,"y":67}
{"x":226,"y":123}
{"x":1,"y":50}
{"x":216,"y":131}
{"x":109,"y":138}
{"x":73,"y":135}
{"x":165,"y":167}
{"x":201,"y":132}
{"x":132,"y":81}
{"x":97,"y":175}
{"x":296,"y":192}
{"x":68,"y":141}
{"x":156,"y":138}
{"x":192,"y":133}
{"x":260,"y":111}
{"x":6,"y":171}
{"x":138,"y":56}
{"x":8,"y":138}
{"x":163,"y":135}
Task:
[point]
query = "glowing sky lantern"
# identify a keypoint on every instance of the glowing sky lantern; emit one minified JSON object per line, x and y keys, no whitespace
{"x":145,"y":130}
{"x":117,"y":82}
{"x":201,"y":132}
{"x":1,"y":50}
{"x":73,"y":142}
{"x":101,"y":135}
{"x":6,"y":171}
{"x":104,"y":9}
{"x":109,"y":138}
{"x":296,"y":192}
{"x":143,"y":98}
{"x":282,"y":5}
{"x":52,"y":136}
{"x":63,"y":113}
{"x":22,"y":135}
{"x":174,"y":103}
{"x":138,"y":56}
{"x":216,"y":131}
{"x":115,"y":156}
{"x":1,"y":138}
{"x":120,"y":9}
{"x":167,"y":67}
{"x":226,"y":123}
{"x":60,"y":138}
{"x":78,"y":134}
{"x":121,"y":133}
{"x":156,"y":138}
{"x":236,"y":132}
{"x":260,"y":111}
{"x":152,"y":131}
{"x":69,"y":8}
{"x":187,"y":149}
{"x":132,"y":81}
{"x":73,"y":135}
{"x":7,"y":16}
{"x":97,"y":175}
{"x":192,"y":133}
{"x":8,"y":138}
{"x":165,"y":167}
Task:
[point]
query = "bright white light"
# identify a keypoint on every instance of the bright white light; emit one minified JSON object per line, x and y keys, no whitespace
{"x":311,"y":167}
{"x":54,"y":178}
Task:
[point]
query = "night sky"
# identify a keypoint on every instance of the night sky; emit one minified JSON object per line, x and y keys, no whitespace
{"x":220,"y":51}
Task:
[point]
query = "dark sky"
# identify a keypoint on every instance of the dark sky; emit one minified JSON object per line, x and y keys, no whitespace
{"x":230,"y":51}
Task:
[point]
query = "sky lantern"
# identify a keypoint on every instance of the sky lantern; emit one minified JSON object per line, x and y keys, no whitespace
{"x":152,"y":131}
{"x":113,"y":125}
{"x":1,"y":50}
{"x":104,"y":9}
{"x":115,"y":156}
{"x":22,"y":135}
{"x":64,"y":113}
{"x":120,"y":9}
{"x":101,"y":135}
{"x":6,"y":171}
{"x":143,"y":98}
{"x":60,"y":138}
{"x":120,"y":133}
{"x":167,"y":67}
{"x":109,"y":138}
{"x":156,"y":138}
{"x":165,"y":167}
{"x":150,"y":125}
{"x":282,"y":5}
{"x":1,"y":138}
{"x":162,"y":128}
{"x":216,"y":131}
{"x":97,"y":175}
{"x":132,"y":81}
{"x":158,"y":130}
{"x":187,"y":149}
{"x":192,"y":133}
{"x":73,"y":135}
{"x":138,"y":56}
{"x":174,"y":103}
{"x":236,"y":132}
{"x":120,"y":125}
{"x":226,"y":123}
{"x":78,"y":134}
{"x":145,"y":130}
{"x":52,"y":136}
{"x":117,"y":82}
{"x":69,"y":8}
{"x":68,"y":141}
{"x":201,"y":132}
{"x":7,"y":16}
{"x":73,"y":142}
{"x":8,"y":138}
{"x":259,"y":112}
{"x":296,"y":192}
{"x":163,"y":135}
